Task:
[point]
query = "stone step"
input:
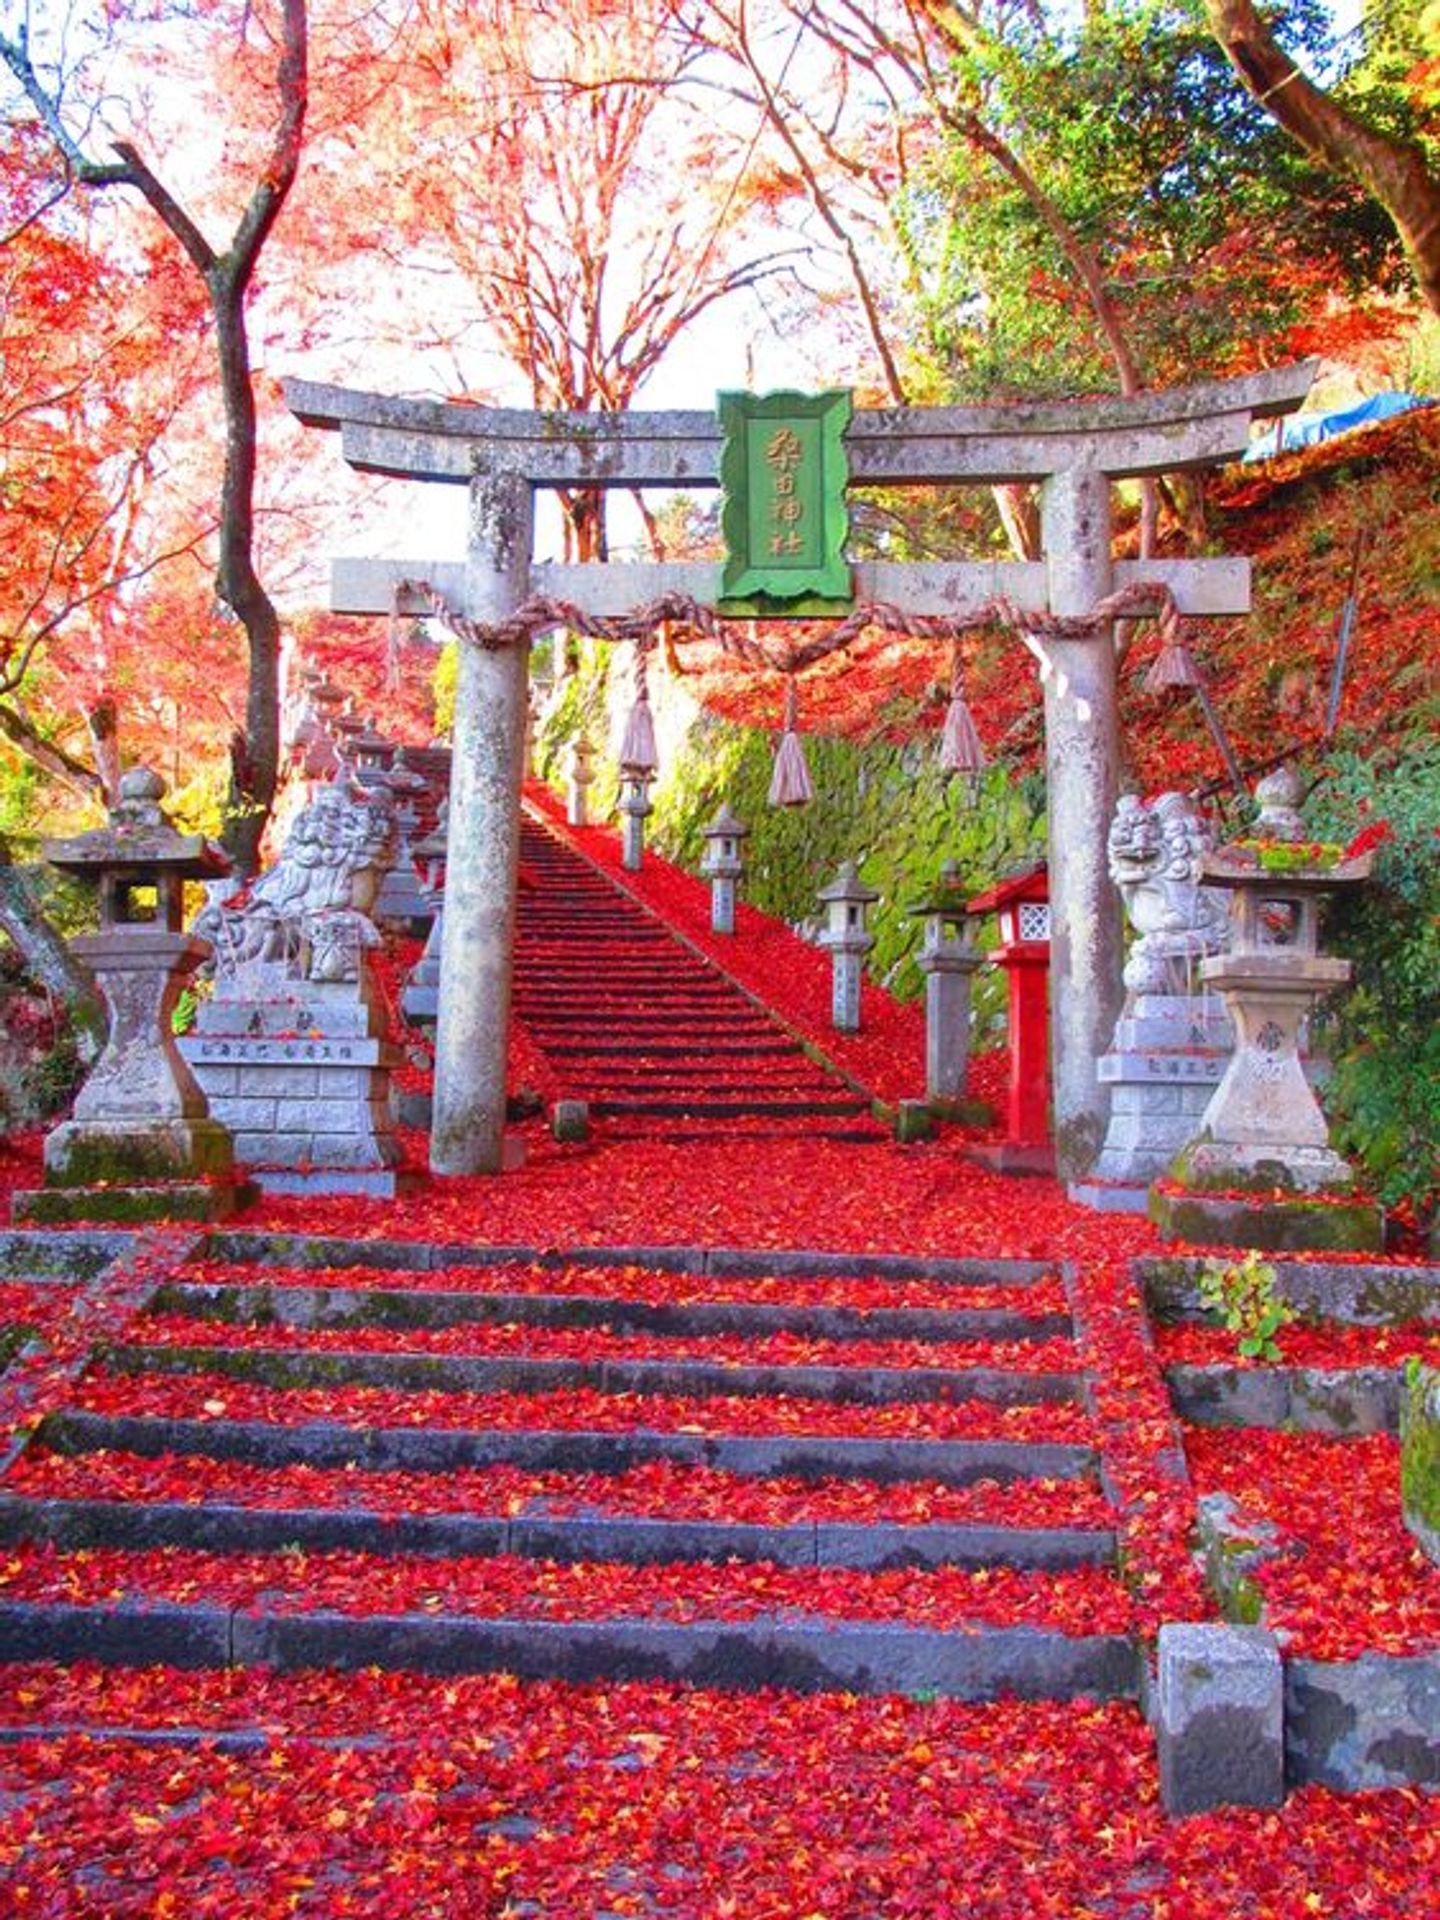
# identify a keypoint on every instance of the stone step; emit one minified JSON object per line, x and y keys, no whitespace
{"x":416,"y":1449}
{"x":253,"y":1303}
{"x":312,"y":1251}
{"x":608,"y":1050}
{"x":77,"y":1525}
{"x":859,"y":1133}
{"x":711,"y":1108}
{"x":697,"y":1031}
{"x":805,"y":1655}
{"x":521,"y":1373}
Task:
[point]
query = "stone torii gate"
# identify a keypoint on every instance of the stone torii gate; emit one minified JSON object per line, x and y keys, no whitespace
{"x":1074,"y":451}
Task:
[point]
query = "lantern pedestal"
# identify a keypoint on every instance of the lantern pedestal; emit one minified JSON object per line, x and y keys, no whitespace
{"x":420,"y":996}
{"x":635,"y":808}
{"x":577,"y":789}
{"x":949,"y":961}
{"x":1261,"y":1171}
{"x":140,"y":1143}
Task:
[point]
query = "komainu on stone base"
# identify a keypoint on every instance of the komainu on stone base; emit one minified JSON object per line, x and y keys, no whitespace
{"x":1171,"y":1041}
{"x":290,"y":1046}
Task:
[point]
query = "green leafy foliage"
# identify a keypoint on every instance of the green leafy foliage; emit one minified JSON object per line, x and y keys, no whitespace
{"x":1383,"y":1035}
{"x":1206,"y":227}
{"x":1243,"y":1293}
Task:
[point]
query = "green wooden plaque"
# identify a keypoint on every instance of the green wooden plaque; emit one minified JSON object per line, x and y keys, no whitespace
{"x":783,"y":472}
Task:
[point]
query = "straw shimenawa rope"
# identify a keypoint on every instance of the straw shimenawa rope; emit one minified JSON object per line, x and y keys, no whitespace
{"x":541,"y":614}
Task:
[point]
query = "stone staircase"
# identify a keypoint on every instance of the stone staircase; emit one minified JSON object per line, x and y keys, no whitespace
{"x":795,"y":1470}
{"x":647,"y":1032}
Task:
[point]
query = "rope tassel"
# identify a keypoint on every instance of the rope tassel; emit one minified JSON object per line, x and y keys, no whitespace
{"x":961,"y":748}
{"x":790,"y":783}
{"x":637,"y":744}
{"x":1174,"y":665}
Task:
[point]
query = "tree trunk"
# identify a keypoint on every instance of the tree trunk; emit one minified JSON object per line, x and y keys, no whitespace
{"x":48,"y":959}
{"x":1018,"y":505}
{"x":254,"y":771}
{"x":1392,"y":171}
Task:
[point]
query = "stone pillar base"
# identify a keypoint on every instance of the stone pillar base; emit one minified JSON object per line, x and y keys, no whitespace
{"x":199,"y":1200}
{"x":138,"y":1153}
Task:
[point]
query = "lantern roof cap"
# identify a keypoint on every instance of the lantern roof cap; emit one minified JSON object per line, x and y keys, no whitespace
{"x":139,"y":837}
{"x":847,"y":885}
{"x":726,"y":823}
{"x":945,"y":896}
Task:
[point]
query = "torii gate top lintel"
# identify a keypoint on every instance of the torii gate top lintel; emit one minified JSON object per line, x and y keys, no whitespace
{"x":1157,"y":432}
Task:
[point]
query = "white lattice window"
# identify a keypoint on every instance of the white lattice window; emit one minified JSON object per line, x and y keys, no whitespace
{"x":1034,"y":920}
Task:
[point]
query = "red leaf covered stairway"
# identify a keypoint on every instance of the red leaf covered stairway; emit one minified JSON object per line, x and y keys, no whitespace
{"x":734,"y":1469}
{"x":649,"y":1034}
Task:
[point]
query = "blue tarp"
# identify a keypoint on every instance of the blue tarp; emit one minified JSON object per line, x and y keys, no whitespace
{"x":1305,"y":429}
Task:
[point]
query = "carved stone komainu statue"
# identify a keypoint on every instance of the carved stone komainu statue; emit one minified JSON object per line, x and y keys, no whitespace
{"x":1155,"y":851}
{"x":311,"y":912}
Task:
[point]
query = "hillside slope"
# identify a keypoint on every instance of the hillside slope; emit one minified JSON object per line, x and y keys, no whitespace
{"x":1297,"y":518}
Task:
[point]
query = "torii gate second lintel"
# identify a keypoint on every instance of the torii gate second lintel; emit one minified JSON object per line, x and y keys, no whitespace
{"x":1073,"y":450}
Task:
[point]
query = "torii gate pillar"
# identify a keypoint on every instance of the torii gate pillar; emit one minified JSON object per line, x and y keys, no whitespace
{"x":1082,"y":757}
{"x":467,"y":1133}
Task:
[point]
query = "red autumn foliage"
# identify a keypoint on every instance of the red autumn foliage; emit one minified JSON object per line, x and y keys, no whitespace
{"x":1348,"y":1577}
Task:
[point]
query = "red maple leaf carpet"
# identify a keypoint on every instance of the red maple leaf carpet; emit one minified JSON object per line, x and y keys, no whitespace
{"x":297,"y":1508}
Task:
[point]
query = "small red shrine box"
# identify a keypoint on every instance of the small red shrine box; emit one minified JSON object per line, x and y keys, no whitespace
{"x":1021,"y":904}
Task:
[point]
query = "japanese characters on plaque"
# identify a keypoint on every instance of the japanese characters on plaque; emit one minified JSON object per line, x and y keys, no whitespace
{"x":783,"y":471}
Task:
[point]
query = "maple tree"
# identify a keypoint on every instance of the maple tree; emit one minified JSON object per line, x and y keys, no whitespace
{"x":226,"y":274}
{"x":552,"y":174}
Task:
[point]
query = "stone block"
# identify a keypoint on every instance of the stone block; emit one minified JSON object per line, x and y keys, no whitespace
{"x":1354,"y":1725}
{"x":91,"y":1153}
{"x":342,"y":1082}
{"x":281,"y":1082}
{"x":272,"y":1149}
{"x":206,"y":1200}
{"x":244,"y":1115}
{"x":570,"y":1120}
{"x":913,"y":1122}
{"x":1220,"y":1718}
{"x":353,"y":1150}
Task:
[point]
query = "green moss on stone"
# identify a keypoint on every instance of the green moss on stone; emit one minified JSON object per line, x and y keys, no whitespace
{"x":1420,"y":1454}
{"x":1283,"y":1226}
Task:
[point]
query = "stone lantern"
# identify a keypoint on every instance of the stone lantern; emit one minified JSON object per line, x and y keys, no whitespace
{"x":577,"y":792}
{"x":401,"y":898}
{"x":723,"y":864}
{"x":635,"y":809}
{"x":140,"y":1134}
{"x":1021,"y":907}
{"x":420,"y":998}
{"x":948,"y":958}
{"x":1263,"y":1132}
{"x":368,"y":753}
{"x":846,"y":901}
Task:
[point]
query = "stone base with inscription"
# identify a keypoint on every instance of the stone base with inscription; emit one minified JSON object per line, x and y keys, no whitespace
{"x":301,"y":1077}
{"x":1167,"y":1057}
